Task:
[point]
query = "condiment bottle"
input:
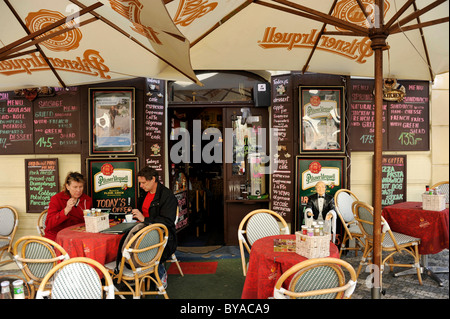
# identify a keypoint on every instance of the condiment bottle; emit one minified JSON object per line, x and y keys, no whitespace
{"x":6,"y":293}
{"x":18,"y":289}
{"x":304,"y":230}
{"x":310,"y":232}
{"x":321,"y":228}
{"x":316,"y":230}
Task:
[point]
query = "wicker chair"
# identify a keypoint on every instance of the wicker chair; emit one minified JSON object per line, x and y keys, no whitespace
{"x":442,"y":187}
{"x":77,"y":278}
{"x":173,"y":258}
{"x":9,"y":221}
{"x":318,"y":278}
{"x":41,"y":223}
{"x":343,"y":200}
{"x":36,"y":256}
{"x":258,"y":224}
{"x":142,"y":254}
{"x":391,"y":242}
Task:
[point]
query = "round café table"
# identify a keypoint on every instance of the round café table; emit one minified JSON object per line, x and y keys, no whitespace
{"x":266,"y":266}
{"x":98,"y":246}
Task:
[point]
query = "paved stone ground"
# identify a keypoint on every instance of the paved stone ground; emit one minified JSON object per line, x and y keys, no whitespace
{"x":404,"y":287}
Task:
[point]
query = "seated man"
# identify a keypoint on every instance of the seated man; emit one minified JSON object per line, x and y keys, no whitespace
{"x":320,"y":206}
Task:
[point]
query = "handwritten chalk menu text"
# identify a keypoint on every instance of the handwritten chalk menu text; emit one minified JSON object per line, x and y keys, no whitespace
{"x":361,"y":129}
{"x":57,"y":124}
{"x":42,"y":182}
{"x":393,"y":183}
{"x":49,"y":124}
{"x":16,"y":125}
{"x":282,"y":114}
{"x":405,"y":123}
{"x":409,"y":119}
{"x":155,"y":125}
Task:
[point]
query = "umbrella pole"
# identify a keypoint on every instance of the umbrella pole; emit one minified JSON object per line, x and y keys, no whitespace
{"x":378,"y":44}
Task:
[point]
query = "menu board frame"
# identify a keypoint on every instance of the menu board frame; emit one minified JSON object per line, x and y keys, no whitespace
{"x":101,"y":98}
{"x":28,"y":186}
{"x":406,"y":124}
{"x":132,"y":164}
{"x":335,"y":116}
{"x":316,"y":163}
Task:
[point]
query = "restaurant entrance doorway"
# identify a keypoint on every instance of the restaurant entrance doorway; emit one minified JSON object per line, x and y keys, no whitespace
{"x":189,"y":141}
{"x":210,"y":134}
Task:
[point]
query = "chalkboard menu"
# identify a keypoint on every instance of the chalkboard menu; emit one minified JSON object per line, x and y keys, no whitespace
{"x":49,"y":124}
{"x":282,"y":119}
{"x":409,"y":119}
{"x":57,"y":123}
{"x":393,"y":184}
{"x":41,"y":183}
{"x":405,"y":123}
{"x":16,"y":125}
{"x":155,"y":125}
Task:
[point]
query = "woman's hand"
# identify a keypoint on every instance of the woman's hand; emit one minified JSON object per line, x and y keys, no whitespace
{"x":137,"y":215}
{"x":70,"y":204}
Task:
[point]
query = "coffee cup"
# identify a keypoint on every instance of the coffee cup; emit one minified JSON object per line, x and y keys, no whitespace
{"x":129,"y":218}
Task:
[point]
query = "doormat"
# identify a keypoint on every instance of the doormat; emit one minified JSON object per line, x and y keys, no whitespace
{"x":194,"y":268}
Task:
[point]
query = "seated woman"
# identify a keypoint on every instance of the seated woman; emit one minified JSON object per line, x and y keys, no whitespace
{"x":66,"y":208}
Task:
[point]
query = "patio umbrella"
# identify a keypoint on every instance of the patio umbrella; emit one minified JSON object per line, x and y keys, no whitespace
{"x":403,"y":39}
{"x":60,"y":43}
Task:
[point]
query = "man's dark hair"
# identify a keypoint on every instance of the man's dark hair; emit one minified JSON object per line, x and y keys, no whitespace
{"x":148,"y":173}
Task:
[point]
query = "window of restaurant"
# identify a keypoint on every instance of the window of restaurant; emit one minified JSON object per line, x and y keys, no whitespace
{"x":200,"y":173}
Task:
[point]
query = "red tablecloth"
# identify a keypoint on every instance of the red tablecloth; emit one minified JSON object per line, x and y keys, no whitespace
{"x":266,"y":266}
{"x":98,"y":246}
{"x":430,"y":226}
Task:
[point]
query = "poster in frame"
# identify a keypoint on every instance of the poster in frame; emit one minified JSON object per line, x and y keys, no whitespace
{"x":111,"y":118}
{"x":112,"y":183}
{"x":322,"y":119}
{"x":332,"y":170}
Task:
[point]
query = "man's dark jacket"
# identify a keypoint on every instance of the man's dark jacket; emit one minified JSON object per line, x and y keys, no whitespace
{"x":163,"y":209}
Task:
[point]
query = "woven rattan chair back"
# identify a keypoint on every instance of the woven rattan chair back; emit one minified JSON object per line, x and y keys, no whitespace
{"x":258,"y":224}
{"x":41,"y":223}
{"x":320,"y":278}
{"x":77,"y":278}
{"x":343,"y":200}
{"x":140,"y":260}
{"x":9,"y":221}
{"x":442,"y":187}
{"x":36,"y":256}
{"x":364,"y":215}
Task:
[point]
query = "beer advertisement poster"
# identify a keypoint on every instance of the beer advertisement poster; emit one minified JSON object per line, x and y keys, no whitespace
{"x":309,"y":171}
{"x":113,"y":184}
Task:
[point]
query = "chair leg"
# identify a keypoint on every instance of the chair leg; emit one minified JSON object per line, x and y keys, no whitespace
{"x":363,"y":260}
{"x":244,"y":268}
{"x":418,"y":267}
{"x":344,"y":241}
